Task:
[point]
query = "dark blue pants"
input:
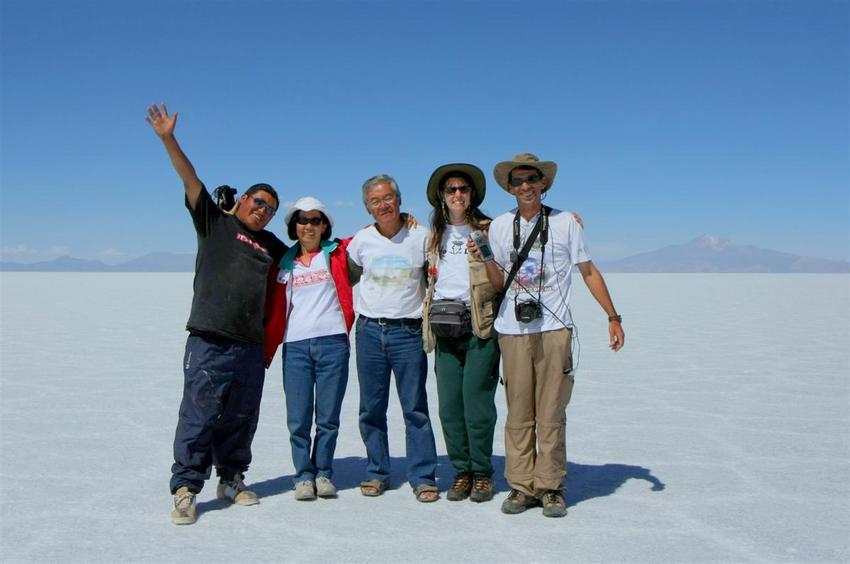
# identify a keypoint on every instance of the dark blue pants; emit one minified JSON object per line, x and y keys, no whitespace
{"x":382,"y":349}
{"x":222,"y":388}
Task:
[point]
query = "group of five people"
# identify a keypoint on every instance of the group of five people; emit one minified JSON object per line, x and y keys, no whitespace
{"x":471,"y":289}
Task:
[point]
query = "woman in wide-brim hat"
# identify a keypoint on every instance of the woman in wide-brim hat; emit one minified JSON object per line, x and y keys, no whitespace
{"x":457,"y":324}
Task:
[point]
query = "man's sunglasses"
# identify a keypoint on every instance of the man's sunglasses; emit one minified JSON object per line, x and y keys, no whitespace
{"x":301,"y":220}
{"x":259,"y":202}
{"x":531,"y":179}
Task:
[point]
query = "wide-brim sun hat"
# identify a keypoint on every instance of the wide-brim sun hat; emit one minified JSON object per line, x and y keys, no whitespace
{"x":479,"y":185}
{"x":308,"y":203}
{"x":502,"y":171}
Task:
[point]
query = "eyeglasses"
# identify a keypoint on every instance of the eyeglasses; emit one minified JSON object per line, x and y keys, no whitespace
{"x":531,"y":179}
{"x":270,"y":211}
{"x":301,"y":220}
{"x":452,"y":189}
{"x":388,"y":199}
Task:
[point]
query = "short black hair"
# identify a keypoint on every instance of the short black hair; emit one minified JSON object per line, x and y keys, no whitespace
{"x":290,"y":229}
{"x":263,"y":187}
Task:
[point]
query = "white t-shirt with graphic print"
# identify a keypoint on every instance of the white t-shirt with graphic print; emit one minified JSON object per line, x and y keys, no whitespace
{"x":393,"y":282}
{"x":565,"y":248}
{"x":313,"y":304}
{"x":453,"y":266}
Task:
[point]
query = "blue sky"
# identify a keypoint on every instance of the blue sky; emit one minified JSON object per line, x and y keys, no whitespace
{"x":667,"y":119}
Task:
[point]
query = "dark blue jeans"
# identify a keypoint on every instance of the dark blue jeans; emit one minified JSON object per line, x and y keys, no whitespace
{"x":222,"y":389}
{"x":380,"y":350}
{"x":315,"y":372}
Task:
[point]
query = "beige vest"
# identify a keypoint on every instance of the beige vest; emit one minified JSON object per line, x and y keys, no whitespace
{"x":481,"y":302}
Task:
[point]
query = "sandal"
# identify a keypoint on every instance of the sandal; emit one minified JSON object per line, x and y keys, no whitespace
{"x":373,"y":488}
{"x":426,"y":493}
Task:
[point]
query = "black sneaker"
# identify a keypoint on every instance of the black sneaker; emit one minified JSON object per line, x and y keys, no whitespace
{"x":554,"y":504}
{"x":460,"y":488}
{"x":517,"y":502}
{"x":482,"y":488}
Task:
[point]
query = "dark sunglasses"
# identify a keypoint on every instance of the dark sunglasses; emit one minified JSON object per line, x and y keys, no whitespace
{"x":531,"y":179}
{"x":301,"y":220}
{"x":270,"y":211}
{"x":452,"y":189}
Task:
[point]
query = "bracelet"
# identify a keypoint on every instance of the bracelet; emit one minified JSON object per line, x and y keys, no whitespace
{"x":617,"y":318}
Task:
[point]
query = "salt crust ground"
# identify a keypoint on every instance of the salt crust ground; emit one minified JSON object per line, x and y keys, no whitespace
{"x":719,"y":434}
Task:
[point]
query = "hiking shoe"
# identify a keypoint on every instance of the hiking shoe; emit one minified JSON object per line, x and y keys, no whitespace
{"x":236,"y":491}
{"x":482,"y":488}
{"x":184,"y":507}
{"x":325,"y":488}
{"x":554,"y":504}
{"x":517,"y":502}
{"x":305,"y":490}
{"x":460,"y":487}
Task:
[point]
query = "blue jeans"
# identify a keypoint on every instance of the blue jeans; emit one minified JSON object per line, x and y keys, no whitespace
{"x":222,"y":389}
{"x":315,"y":372}
{"x":396,"y":348}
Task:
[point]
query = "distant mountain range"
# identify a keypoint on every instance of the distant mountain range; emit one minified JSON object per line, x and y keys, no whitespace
{"x":703,"y":254}
{"x":712,"y":254}
{"x":152,"y":262}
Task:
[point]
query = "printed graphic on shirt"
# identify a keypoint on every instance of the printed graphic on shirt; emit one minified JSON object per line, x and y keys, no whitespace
{"x":456,"y":245}
{"x":391,"y":271}
{"x":311,"y":278}
{"x":528,"y":276}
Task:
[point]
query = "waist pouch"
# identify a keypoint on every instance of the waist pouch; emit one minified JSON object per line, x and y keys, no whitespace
{"x":450,"y":319}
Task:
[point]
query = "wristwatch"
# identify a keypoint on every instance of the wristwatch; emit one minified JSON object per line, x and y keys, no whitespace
{"x":617,"y":318}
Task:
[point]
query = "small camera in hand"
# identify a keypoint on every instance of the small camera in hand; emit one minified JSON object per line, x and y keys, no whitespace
{"x":526,"y":312}
{"x":225,"y":197}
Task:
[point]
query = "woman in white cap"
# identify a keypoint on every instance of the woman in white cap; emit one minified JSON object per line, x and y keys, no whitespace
{"x":457,"y":322}
{"x":309,"y":308}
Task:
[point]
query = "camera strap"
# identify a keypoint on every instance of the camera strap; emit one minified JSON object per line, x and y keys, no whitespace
{"x":541,"y":225}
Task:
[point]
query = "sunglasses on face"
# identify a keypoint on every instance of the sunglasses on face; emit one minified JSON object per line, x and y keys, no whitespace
{"x":531,"y":179}
{"x":452,"y":189}
{"x":270,"y":211}
{"x":301,"y":220}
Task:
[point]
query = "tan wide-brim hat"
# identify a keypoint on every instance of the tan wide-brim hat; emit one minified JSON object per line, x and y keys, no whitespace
{"x":502,"y":171}
{"x":479,"y":185}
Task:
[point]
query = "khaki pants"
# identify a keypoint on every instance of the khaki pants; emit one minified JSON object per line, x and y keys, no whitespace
{"x":538,"y":391}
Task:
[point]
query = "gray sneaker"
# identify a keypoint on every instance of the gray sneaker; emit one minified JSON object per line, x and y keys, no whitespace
{"x":517,"y":502}
{"x":184,"y":507}
{"x":554,"y":504}
{"x":305,"y":490}
{"x":325,"y":488}
{"x":236,"y":491}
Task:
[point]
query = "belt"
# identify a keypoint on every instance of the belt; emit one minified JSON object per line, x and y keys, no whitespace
{"x":393,"y":320}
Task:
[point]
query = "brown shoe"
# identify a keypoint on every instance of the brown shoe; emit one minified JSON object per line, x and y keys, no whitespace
{"x":517,"y":502}
{"x":460,"y":487}
{"x":482,"y":488}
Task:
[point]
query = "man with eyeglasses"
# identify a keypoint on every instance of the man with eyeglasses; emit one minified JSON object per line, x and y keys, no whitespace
{"x":535,"y":330}
{"x":223,"y":364}
{"x":390,"y":256}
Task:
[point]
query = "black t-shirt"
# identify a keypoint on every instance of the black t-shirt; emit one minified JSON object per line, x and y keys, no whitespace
{"x":230,"y":274}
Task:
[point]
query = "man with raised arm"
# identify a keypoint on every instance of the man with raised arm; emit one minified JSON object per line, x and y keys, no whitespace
{"x":223,"y":365}
{"x":535,"y":330}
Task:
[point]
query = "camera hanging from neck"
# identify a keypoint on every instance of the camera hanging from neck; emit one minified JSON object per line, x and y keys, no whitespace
{"x":518,"y":256}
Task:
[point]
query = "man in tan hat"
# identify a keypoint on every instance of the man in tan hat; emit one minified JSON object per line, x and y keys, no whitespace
{"x":535,"y":330}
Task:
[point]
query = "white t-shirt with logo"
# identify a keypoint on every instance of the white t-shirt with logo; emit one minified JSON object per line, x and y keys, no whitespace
{"x":313,"y":303}
{"x":565,"y":248}
{"x":393,"y":282}
{"x":453,"y":267}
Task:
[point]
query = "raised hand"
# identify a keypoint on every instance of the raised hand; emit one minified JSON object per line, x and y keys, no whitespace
{"x":161,"y":122}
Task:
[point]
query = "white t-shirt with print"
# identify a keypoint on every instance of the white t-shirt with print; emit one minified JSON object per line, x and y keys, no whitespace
{"x":313,"y":303}
{"x":565,"y":248}
{"x":393,"y":283}
{"x":453,"y":266}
